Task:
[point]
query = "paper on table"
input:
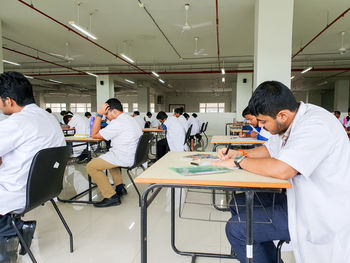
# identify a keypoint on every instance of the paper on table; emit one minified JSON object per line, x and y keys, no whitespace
{"x":198,"y":170}
{"x":200,"y":156}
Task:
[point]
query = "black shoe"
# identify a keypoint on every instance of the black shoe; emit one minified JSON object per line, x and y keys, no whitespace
{"x":8,"y":249}
{"x":27,"y":232}
{"x":120,"y":190}
{"x":106,"y":202}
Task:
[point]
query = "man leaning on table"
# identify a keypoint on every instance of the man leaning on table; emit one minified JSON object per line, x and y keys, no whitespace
{"x":124,"y":133}
{"x":316,"y":212}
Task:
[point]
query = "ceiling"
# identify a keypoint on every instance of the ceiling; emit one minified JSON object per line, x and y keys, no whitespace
{"x":125,"y":27}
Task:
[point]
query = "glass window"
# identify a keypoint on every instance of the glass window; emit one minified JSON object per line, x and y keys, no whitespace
{"x":80,"y":107}
{"x":212,"y":107}
{"x":135,"y":106}
{"x":125,"y":107}
{"x":152,"y":107}
{"x":56,"y":107}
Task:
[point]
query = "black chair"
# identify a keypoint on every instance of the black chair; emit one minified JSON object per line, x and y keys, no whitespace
{"x":278,"y":253}
{"x":141,"y":156}
{"x":205,"y":129}
{"x":188,"y":135}
{"x":44,"y":183}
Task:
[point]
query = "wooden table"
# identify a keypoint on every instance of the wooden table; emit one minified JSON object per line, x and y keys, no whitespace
{"x":225,"y":140}
{"x":159,"y":175}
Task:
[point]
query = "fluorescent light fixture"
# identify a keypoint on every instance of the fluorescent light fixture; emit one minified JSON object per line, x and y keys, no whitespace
{"x":28,"y":77}
{"x":55,"y":81}
{"x":292,"y":77}
{"x":223,"y":80}
{"x":91,"y":74}
{"x":306,"y":70}
{"x":10,"y":62}
{"x":82,"y":30}
{"x":127,"y":58}
{"x":155,"y":74}
{"x":161,"y":81}
{"x":223,"y":71}
{"x":129,"y":81}
{"x":322,"y":83}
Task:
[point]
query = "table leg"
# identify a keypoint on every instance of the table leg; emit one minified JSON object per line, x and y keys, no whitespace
{"x":249,"y":196}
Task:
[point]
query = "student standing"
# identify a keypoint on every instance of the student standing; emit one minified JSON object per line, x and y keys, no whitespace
{"x":178,"y":113}
{"x":27,"y":130}
{"x":316,"y":213}
{"x":124,"y":133}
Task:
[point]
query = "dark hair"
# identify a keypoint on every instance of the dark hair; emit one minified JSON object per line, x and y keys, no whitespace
{"x":246,"y":111}
{"x":270,"y":97}
{"x":337,"y":112}
{"x":63,"y":113}
{"x":186,"y":115}
{"x":69,"y":112}
{"x":149,"y":114}
{"x":194,"y":115}
{"x":87,"y":114}
{"x":16,"y":87}
{"x":161,"y":115}
{"x":49,"y":110}
{"x":65,"y":118}
{"x":349,"y":110}
{"x":114,"y":104}
{"x":179,"y":111}
{"x":136,"y":112}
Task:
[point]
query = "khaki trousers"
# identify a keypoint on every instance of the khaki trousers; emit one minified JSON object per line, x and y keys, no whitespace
{"x":95,"y":168}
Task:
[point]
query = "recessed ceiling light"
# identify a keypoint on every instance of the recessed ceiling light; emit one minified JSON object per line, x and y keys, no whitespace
{"x":162,"y":81}
{"x":292,"y":77}
{"x":155,"y":74}
{"x":223,"y":80}
{"x":127,"y":58}
{"x":223,"y":71}
{"x":91,"y":74}
{"x":82,"y":30}
{"x":129,"y":81}
{"x":306,"y":70}
{"x":10,"y":62}
{"x":28,"y":77}
{"x":55,"y":81}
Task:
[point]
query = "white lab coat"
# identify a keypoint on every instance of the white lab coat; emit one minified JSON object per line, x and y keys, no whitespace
{"x":175,"y":134}
{"x":22,"y":135}
{"x":183,"y":121}
{"x":140,"y":121}
{"x":2,"y":117}
{"x":124,"y":133}
{"x":195,"y":125}
{"x":82,"y":127}
{"x":154,"y":122}
{"x":318,"y":207}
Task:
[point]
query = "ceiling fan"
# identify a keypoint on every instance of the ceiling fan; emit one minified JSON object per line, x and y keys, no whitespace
{"x":342,"y":50}
{"x":199,"y":52}
{"x":66,"y":56}
{"x":187,"y":26}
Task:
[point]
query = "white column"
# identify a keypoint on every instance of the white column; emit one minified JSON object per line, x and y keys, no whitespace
{"x":104,"y":89}
{"x":273,"y":41}
{"x":41,"y":100}
{"x":244,"y":90}
{"x":143,"y":97}
{"x":93,"y":103}
{"x":341,"y":95}
{"x":1,"y":54}
{"x":233,"y":97}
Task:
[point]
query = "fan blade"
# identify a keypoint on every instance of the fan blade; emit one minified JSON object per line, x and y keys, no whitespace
{"x":208,"y":23}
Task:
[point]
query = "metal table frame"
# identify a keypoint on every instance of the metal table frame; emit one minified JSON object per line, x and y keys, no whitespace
{"x":249,"y":194}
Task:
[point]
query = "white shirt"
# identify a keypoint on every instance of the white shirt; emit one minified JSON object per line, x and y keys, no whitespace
{"x":318,"y":202}
{"x":200,"y":122}
{"x":2,"y":117}
{"x":346,"y":123}
{"x":183,"y":121}
{"x":154,"y":122}
{"x":81,"y":124}
{"x":195,"y":125}
{"x":140,"y":121}
{"x":124,"y":133}
{"x":22,"y":135}
{"x":175,"y":134}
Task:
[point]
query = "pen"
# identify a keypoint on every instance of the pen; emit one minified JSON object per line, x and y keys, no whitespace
{"x":193,"y":163}
{"x":228,"y":148}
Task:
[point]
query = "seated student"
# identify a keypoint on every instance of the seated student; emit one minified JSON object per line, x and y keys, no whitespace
{"x":175,"y":135}
{"x":87,"y":115}
{"x":256,"y":131}
{"x":138,"y":119}
{"x":152,"y":121}
{"x":50,"y":111}
{"x":198,"y":119}
{"x":347,"y":121}
{"x":195,"y":128}
{"x":314,"y":213}
{"x":27,"y":130}
{"x":124,"y":133}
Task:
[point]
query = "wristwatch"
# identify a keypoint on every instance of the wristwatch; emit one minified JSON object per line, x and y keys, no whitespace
{"x":239,"y":159}
{"x":99,"y":115}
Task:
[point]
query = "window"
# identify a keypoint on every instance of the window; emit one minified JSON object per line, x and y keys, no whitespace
{"x":212,"y":107}
{"x":56,"y":107}
{"x":151,"y":107}
{"x":125,"y":107}
{"x":135,"y":106}
{"x":80,"y":107}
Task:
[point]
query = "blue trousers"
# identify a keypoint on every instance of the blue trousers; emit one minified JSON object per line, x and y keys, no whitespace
{"x":6,"y":228}
{"x":264,"y":250}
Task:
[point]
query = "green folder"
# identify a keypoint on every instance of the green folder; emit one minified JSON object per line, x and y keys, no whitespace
{"x":199,"y":170}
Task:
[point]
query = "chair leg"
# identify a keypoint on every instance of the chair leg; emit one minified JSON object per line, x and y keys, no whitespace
{"x":65,"y":225}
{"x":23,"y":243}
{"x":132,"y":181}
{"x":278,"y":252}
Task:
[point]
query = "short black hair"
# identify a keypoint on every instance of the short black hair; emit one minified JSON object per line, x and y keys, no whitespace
{"x":149,"y":114}
{"x":186,"y":115}
{"x":136,"y":112}
{"x":270,"y":97}
{"x":49,"y":110}
{"x":63,"y":113}
{"x":87,"y":114}
{"x":114,"y":104}
{"x":194,"y":115}
{"x":15,"y":86}
{"x":161,"y":115}
{"x":246,"y":111}
{"x":69,"y":112}
{"x":349,"y":110}
{"x":179,"y":111}
{"x":65,"y":118}
{"x":337,"y":112}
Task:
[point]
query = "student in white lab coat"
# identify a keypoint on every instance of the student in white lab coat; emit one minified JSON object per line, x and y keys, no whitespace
{"x":151,"y":120}
{"x":191,"y":121}
{"x":27,"y":130}
{"x":124,"y":133}
{"x":178,"y":113}
{"x":198,"y":119}
{"x":50,"y":111}
{"x":175,"y":135}
{"x":140,"y":121}
{"x":316,"y":209}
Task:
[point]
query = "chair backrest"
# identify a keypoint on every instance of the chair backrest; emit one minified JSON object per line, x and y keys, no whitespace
{"x":206,"y":127}
{"x":142,"y":149}
{"x":202,"y":127}
{"x":188,"y":134}
{"x":45,"y":177}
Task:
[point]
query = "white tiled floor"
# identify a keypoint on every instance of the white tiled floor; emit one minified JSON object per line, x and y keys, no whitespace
{"x":113,"y":234}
